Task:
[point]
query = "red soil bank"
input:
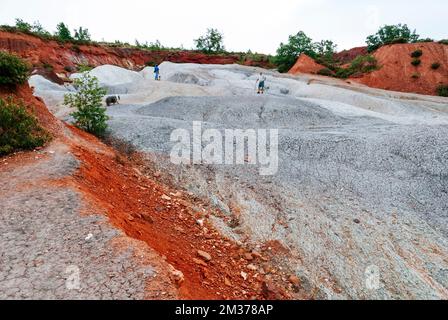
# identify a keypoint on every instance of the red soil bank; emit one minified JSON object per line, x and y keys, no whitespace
{"x":60,"y":56}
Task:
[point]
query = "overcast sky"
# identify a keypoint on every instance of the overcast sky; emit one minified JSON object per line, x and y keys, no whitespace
{"x":256,"y":25}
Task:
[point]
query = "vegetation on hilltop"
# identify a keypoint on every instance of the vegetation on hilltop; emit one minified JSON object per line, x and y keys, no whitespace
{"x":211,"y":42}
{"x":391,"y":34}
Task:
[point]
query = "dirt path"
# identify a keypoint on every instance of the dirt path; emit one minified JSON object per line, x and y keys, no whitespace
{"x":47,"y":245}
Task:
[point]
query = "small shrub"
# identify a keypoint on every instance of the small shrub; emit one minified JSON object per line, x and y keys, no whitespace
{"x":391,"y":34}
{"x":123,"y":147}
{"x":416,"y":75}
{"x":435,"y":66}
{"x":444,"y":41}
{"x":288,"y":52}
{"x":84,"y":68}
{"x":359,"y":66}
{"x":23,"y":26}
{"x":442,"y":90}
{"x":82,"y":34}
{"x":425,"y":40}
{"x":13,"y":70}
{"x":325,"y":72}
{"x":344,"y":73}
{"x":364,"y":64}
{"x":416,"y":62}
{"x":76,"y":48}
{"x":211,"y":42}
{"x":417,"y":53}
{"x":39,"y":30}
{"x":90,"y":115}
{"x":332,"y":65}
{"x":19,"y":130}
{"x":69,"y":69}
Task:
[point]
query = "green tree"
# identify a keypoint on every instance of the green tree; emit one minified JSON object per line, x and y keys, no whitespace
{"x":287,"y":53}
{"x":152,"y":46}
{"x":325,"y":51}
{"x":211,"y":42}
{"x":82,"y":34}
{"x":390,"y":34}
{"x":63,"y":32}
{"x":90,"y":115}
{"x":325,"y":48}
{"x":13,"y":70}
{"x":23,"y":26}
{"x":18,"y":128}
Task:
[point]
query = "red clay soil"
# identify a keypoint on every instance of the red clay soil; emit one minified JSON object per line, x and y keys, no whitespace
{"x":63,"y":57}
{"x":149,"y":211}
{"x":306,"y":64}
{"x":24,"y":94}
{"x":397,"y":72}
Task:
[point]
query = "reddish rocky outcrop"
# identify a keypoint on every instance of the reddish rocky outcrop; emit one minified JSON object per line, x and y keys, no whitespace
{"x":347,"y":56}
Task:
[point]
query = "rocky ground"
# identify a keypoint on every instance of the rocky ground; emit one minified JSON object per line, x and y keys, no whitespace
{"x":358,"y":206}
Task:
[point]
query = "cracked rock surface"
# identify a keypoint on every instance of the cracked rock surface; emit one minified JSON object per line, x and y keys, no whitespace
{"x":49,"y":249}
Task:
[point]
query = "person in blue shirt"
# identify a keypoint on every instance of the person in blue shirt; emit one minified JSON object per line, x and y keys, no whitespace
{"x":157,"y":72}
